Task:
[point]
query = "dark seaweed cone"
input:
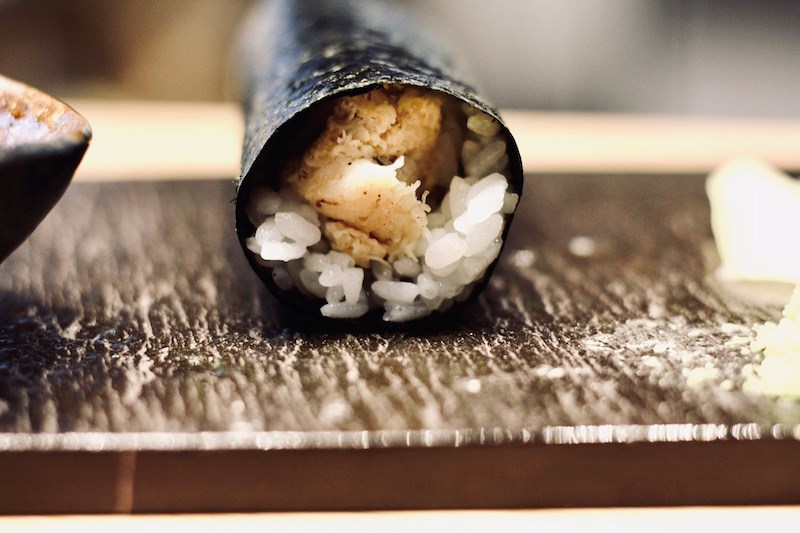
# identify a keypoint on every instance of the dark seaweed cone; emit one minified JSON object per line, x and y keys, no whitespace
{"x":294,"y":54}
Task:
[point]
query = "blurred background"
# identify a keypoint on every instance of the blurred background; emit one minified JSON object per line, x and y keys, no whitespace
{"x":708,"y":57}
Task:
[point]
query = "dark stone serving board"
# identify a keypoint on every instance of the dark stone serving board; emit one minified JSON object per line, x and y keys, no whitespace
{"x":143,"y":367}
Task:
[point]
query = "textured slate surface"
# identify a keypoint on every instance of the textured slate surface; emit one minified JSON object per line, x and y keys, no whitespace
{"x":132,"y":309}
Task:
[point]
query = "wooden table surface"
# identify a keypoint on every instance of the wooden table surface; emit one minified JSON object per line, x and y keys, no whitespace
{"x":144,"y":368}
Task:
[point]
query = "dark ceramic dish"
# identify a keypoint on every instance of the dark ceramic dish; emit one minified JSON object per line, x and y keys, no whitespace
{"x":42,"y":141}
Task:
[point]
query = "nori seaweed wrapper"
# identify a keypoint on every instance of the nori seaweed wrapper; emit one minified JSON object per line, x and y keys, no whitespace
{"x":295,"y":55}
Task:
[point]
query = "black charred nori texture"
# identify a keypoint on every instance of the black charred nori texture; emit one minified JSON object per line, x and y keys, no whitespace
{"x":296,"y":54}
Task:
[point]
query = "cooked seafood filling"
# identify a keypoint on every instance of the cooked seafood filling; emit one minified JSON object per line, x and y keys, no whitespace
{"x":359,"y":220}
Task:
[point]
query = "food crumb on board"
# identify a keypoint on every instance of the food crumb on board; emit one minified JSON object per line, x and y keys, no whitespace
{"x":523,"y":258}
{"x":473,"y":386}
{"x":582,"y":246}
{"x":778,"y":373}
{"x":699,"y":375}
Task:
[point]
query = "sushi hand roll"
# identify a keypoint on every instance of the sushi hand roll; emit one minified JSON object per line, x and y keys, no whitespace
{"x":376,"y":185}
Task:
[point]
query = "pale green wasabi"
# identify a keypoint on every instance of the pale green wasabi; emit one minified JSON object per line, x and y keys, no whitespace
{"x":778,"y":374}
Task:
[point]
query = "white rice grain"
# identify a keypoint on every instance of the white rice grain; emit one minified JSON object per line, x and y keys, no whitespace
{"x":423,"y":243}
{"x":331,"y":276}
{"x":445,"y":251}
{"x":483,"y":125}
{"x":334,"y":294}
{"x":428,"y":288}
{"x":492,"y":182}
{"x":295,"y":268}
{"x":449,"y":287}
{"x":316,"y":262}
{"x":483,"y":234}
{"x":308,"y":213}
{"x":500,"y":165}
{"x":433,"y":303}
{"x":343,"y":260}
{"x":266,"y":201}
{"x":482,"y":162}
{"x":398,"y":291}
{"x":352,"y":281}
{"x":456,"y":198}
{"x":484,"y":199}
{"x":469,"y":150}
{"x":510,"y":201}
{"x":403,"y":312}
{"x":268,"y":232}
{"x":310,"y":280}
{"x":380,"y":270}
{"x":470,"y":270}
{"x":447,"y":270}
{"x":407,"y":267}
{"x":253,"y":245}
{"x":344,"y":310}
{"x":297,"y":228}
{"x":282,"y":251}
{"x":491,"y":253}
